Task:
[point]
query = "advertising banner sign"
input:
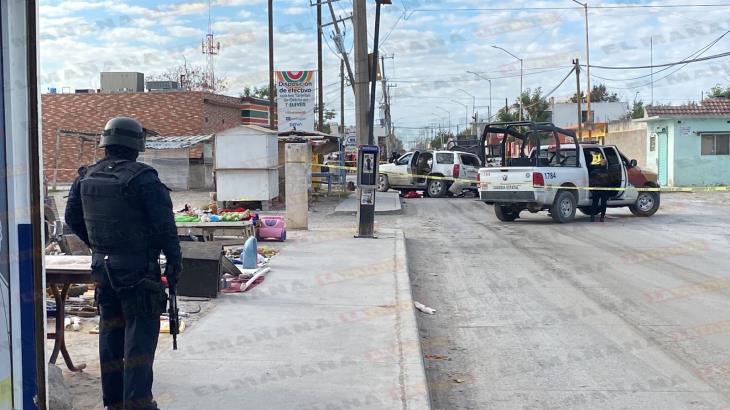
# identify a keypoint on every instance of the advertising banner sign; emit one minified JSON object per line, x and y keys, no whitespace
{"x":295,"y":100}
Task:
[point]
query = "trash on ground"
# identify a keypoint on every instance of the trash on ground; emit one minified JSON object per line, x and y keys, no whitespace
{"x":423,"y":308}
{"x":165,"y":325}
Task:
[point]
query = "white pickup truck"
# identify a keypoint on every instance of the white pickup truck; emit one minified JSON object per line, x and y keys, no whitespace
{"x":544,"y":170}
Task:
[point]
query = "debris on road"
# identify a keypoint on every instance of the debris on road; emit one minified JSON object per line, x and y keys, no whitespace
{"x":423,"y":308}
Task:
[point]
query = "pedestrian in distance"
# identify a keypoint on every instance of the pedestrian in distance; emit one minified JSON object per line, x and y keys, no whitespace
{"x":599,"y":178}
{"x":123,"y":212}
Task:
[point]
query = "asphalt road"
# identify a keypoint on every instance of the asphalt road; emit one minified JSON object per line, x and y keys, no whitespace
{"x":633,"y":313}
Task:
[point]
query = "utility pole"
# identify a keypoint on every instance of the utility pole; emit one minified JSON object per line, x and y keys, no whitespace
{"x":365,"y":195}
{"x":651,"y":63}
{"x":576,"y":62}
{"x":589,"y":115}
{"x":342,"y":98}
{"x":388,"y":116}
{"x":362,"y":70}
{"x":271,"y":65}
{"x":320,"y":82}
{"x":340,"y":45}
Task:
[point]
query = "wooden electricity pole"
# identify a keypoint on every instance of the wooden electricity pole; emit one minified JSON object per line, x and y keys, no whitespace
{"x":576,"y":62}
{"x":271,"y":65}
{"x":362,"y":70}
{"x":320,"y":82}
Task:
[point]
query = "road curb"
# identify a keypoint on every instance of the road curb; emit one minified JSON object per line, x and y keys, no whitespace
{"x":352,"y":197}
{"x":414,"y":385}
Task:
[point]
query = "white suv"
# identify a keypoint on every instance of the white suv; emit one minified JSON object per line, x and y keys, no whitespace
{"x":433,"y":172}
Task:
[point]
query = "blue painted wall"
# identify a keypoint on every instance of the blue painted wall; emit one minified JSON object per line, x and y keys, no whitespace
{"x":687,"y":166}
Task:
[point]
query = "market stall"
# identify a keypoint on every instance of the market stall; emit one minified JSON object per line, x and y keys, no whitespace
{"x":61,"y":272}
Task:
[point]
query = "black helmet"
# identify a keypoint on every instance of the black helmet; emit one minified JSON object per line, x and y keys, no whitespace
{"x":123,"y":131}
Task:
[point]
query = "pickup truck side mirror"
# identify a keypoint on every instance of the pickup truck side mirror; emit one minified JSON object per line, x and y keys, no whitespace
{"x":633,"y":163}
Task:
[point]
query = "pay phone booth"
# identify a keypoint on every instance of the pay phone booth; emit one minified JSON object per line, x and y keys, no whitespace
{"x":367,"y":179}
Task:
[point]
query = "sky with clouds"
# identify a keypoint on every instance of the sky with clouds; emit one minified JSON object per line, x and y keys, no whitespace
{"x":433,"y":43}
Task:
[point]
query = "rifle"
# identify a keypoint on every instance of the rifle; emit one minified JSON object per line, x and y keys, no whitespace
{"x":172,"y":312}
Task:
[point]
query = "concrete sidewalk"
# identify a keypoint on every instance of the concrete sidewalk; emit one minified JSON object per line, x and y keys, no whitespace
{"x":385,"y":203}
{"x":332,"y":326}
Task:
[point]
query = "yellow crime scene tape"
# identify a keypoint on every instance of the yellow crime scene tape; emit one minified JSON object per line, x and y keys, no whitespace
{"x":723,"y":188}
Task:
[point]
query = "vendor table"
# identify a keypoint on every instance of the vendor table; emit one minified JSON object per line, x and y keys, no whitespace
{"x":241,"y":228}
{"x":63,"y":271}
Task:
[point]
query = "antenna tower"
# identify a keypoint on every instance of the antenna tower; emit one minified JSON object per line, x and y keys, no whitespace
{"x":211,"y":48}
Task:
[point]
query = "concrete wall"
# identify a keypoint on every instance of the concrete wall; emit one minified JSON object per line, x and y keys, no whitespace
{"x":566,"y":114}
{"x":630,"y":138}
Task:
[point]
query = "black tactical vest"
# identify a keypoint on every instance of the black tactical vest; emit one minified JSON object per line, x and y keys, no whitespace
{"x":114,"y":213}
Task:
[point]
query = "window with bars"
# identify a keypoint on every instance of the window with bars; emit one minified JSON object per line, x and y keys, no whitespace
{"x":715,"y":144}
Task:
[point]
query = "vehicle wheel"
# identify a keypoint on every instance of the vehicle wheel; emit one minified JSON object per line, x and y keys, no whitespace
{"x":646,"y":204}
{"x":383,"y":184}
{"x":563,"y":209}
{"x":436,"y":188}
{"x":588,"y":210}
{"x":505,"y":213}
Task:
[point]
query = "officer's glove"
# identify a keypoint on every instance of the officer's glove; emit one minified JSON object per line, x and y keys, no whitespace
{"x":173,"y":271}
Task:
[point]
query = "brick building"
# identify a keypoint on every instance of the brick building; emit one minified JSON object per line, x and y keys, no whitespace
{"x":168,"y":113}
{"x":255,"y":111}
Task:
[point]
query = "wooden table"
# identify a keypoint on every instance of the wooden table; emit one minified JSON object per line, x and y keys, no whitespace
{"x":242,"y":228}
{"x":63,"y":271}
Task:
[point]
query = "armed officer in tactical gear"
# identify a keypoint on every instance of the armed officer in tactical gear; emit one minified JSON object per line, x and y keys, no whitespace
{"x":122,"y":211}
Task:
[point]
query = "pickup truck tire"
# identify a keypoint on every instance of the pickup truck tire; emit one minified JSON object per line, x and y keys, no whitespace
{"x":646,"y":204}
{"x":563,"y":209}
{"x":505,"y":213}
{"x":436,"y":188}
{"x":383,"y":183}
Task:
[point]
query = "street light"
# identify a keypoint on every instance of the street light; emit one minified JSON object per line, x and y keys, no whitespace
{"x":589,"y":117}
{"x":466,"y":112}
{"x":521,"y":75}
{"x":449,"y":125}
{"x":473,"y":103}
{"x":447,"y":112}
{"x":489,"y":113}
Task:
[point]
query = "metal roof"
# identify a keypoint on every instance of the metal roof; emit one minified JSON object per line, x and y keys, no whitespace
{"x":176,"y":142}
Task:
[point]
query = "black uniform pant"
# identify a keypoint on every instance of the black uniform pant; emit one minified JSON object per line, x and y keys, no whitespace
{"x":600,"y":201}
{"x":127,"y":344}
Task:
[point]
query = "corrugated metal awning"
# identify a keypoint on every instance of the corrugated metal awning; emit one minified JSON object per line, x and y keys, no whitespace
{"x":176,"y":142}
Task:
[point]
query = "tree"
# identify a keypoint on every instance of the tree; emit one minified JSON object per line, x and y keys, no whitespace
{"x":534,"y":105}
{"x":256,"y":92}
{"x":599,"y":93}
{"x":719,"y":92}
{"x":328,"y":115}
{"x":190,"y":78}
{"x":637,"y":111}
{"x":507,"y":114}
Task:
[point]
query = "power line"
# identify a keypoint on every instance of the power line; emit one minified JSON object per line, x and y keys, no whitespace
{"x":599,"y":7}
{"x":453,"y":80}
{"x":695,"y":60}
{"x":696,"y":53}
